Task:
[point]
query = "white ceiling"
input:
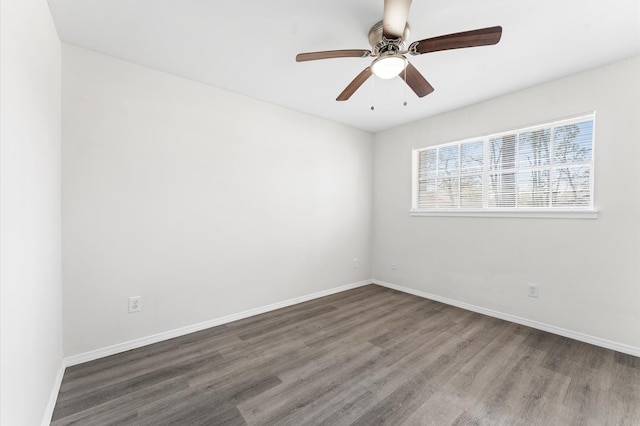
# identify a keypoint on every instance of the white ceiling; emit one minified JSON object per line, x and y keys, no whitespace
{"x":249,"y":47}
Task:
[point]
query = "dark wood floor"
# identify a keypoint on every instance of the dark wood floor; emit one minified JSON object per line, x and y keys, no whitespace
{"x":367,"y":356}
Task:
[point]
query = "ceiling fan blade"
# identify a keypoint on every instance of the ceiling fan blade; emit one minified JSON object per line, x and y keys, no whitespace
{"x":395,"y":17}
{"x":416,"y":81}
{"x":355,"y":84}
{"x":481,"y":37}
{"x":349,"y":53}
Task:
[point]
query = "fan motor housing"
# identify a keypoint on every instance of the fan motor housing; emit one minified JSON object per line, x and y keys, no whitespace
{"x":380,"y":44}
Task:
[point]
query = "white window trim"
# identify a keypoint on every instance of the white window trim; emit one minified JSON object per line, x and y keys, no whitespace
{"x":517,"y":213}
{"x":546,"y":212}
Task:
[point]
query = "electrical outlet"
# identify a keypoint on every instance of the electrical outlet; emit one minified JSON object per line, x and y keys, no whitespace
{"x":355,"y":263}
{"x":532,"y":290}
{"x":135,"y":304}
{"x":394,"y":265}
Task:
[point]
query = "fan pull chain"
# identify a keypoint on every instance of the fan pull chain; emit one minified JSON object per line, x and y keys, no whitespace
{"x":405,"y":87}
{"x":373,"y":92}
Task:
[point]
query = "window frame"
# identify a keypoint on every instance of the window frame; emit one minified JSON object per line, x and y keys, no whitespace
{"x":576,"y":212}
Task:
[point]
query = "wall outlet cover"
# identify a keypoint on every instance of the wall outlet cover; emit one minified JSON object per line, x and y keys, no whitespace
{"x":135,"y":304}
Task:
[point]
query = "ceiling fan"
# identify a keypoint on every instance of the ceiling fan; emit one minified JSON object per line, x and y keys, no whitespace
{"x":388,"y":46}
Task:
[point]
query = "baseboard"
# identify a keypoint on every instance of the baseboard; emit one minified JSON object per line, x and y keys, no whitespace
{"x":148,"y":340}
{"x":53,"y":397}
{"x":620,"y":347}
{"x":137,"y":343}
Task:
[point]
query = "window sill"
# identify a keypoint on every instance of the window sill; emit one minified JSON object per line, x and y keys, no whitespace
{"x":532,"y":213}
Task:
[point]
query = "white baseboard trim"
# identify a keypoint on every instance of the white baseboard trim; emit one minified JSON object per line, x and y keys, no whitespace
{"x":148,"y":340}
{"x":137,"y":343}
{"x":620,"y":347}
{"x":53,"y":396}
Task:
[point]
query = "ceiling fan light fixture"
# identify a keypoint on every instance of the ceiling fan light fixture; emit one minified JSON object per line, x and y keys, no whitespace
{"x":388,"y":66}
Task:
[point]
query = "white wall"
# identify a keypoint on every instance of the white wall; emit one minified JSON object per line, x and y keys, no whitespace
{"x":204,"y":202}
{"x":587,"y":270}
{"x":31,"y":313}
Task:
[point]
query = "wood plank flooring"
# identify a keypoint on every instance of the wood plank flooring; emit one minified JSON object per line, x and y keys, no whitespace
{"x":368,"y":356}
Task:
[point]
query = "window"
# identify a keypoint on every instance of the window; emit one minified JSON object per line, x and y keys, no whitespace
{"x":545,"y":170}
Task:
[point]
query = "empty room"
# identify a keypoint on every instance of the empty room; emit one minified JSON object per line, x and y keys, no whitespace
{"x":340,"y":212}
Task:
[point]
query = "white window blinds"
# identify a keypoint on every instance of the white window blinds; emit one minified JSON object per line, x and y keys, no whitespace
{"x":536,"y":168}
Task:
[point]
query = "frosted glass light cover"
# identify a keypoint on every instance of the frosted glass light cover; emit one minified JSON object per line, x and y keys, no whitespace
{"x":388,"y":66}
